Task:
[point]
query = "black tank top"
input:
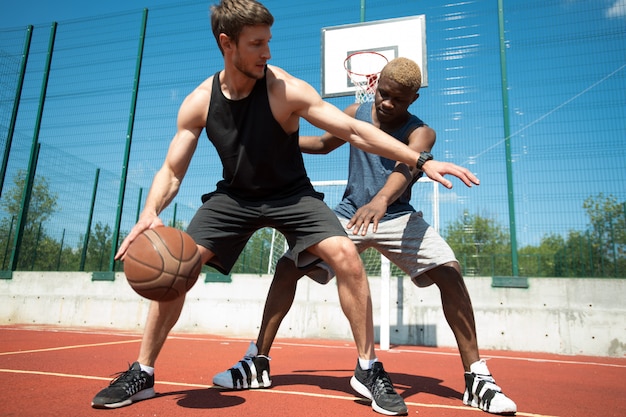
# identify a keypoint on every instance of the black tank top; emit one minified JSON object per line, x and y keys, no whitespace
{"x":260,"y":161}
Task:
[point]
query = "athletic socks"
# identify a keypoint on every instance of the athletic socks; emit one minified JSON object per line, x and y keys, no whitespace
{"x":147,"y":369}
{"x":366,"y":364}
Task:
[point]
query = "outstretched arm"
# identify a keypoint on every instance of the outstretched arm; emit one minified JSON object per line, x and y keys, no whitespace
{"x":301,"y":100}
{"x":168,"y":178}
{"x":308,"y":104}
{"x":327,"y":142}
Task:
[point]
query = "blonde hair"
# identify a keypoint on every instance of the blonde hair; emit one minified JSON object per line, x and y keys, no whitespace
{"x":403,"y":71}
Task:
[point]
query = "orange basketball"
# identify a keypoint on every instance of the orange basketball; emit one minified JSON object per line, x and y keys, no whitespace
{"x":162,"y":263}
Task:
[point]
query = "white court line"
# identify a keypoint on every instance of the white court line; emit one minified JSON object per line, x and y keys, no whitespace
{"x":17,"y":352}
{"x":519,"y":358}
{"x":427,"y":352}
{"x":264,"y":391}
{"x":278,"y":344}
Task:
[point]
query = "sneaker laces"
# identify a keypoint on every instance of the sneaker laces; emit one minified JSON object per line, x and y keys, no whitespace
{"x":381,"y":382}
{"x":488,"y":381}
{"x":131,"y":380}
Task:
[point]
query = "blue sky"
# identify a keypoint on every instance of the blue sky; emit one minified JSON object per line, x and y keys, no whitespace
{"x":566,"y":86}
{"x":34,"y":12}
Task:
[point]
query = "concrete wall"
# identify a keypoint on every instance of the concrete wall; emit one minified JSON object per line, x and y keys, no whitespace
{"x":554,"y":315}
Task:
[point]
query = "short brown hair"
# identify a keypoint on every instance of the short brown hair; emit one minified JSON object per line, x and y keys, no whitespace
{"x":403,"y":71}
{"x":231,"y":16}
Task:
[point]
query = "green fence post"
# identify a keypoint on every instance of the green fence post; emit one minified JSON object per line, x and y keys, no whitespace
{"x":6,"y":247}
{"x":129,"y":139}
{"x":614,"y":244}
{"x":34,"y":153}
{"x":32,"y":264}
{"x":83,"y":255}
{"x":16,"y":105}
{"x":138,"y":205}
{"x":61,"y":251}
{"x":23,"y":214}
{"x":507,"y":142}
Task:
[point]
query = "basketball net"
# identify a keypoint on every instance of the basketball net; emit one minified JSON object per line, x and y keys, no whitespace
{"x":363,"y":69}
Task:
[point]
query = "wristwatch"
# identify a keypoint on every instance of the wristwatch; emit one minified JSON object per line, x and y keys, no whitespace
{"x":424,"y":156}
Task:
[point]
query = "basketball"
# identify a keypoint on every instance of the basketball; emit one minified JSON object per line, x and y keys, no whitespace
{"x":162,"y":264}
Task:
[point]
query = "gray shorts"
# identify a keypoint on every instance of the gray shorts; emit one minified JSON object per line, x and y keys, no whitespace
{"x":407,"y":241}
{"x":225,"y":224}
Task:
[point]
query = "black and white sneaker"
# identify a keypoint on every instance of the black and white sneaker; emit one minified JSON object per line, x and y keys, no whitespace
{"x":482,"y":392}
{"x":128,"y":387}
{"x":376,"y":385}
{"x":252,"y":372}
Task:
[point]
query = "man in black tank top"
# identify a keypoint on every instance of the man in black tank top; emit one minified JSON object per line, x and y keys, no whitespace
{"x":377,"y":194}
{"x":251,"y":112}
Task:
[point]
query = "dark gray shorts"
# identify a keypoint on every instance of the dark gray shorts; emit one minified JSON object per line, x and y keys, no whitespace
{"x":224,"y":224}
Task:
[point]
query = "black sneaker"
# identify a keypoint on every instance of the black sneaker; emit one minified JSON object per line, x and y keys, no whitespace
{"x":376,"y":385}
{"x":128,"y":387}
{"x":252,"y":372}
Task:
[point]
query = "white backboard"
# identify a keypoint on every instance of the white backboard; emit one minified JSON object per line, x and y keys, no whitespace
{"x":405,"y":36}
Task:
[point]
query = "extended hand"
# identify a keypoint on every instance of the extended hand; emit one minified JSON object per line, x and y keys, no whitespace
{"x":435,"y":170}
{"x":145,"y":222}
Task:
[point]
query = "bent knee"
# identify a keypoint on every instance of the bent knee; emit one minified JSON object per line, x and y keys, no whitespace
{"x":343,"y":254}
{"x":344,"y":247}
{"x":445,"y":273}
{"x":452,"y":267}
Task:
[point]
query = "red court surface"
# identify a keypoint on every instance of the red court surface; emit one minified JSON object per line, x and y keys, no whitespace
{"x":54,"y":372}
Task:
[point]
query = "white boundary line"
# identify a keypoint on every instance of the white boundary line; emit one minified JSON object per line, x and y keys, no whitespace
{"x":427,"y":352}
{"x":68,"y":347}
{"x":278,"y":344}
{"x":262,"y":391}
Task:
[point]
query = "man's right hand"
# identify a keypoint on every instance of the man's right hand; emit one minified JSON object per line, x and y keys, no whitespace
{"x":435,"y":170}
{"x":145,"y":222}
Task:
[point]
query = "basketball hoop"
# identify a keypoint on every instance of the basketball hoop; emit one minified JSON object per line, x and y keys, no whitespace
{"x":363,"y":68}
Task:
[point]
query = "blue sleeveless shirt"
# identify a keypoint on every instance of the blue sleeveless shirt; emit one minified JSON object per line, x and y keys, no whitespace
{"x":368,"y":173}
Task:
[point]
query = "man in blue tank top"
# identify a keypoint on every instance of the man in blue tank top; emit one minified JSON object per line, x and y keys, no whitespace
{"x":251,"y":112}
{"x":377,"y":194}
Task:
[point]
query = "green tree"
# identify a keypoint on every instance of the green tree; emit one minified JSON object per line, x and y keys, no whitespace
{"x":43,"y":203}
{"x":541,"y":261}
{"x":255,"y":257}
{"x":179,"y":224}
{"x":606,"y":235}
{"x":481,"y":245}
{"x":98,"y":248}
{"x":598,"y":251}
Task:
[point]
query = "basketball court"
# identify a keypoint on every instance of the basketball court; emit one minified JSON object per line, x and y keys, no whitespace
{"x":48,"y":371}
{"x":56,"y":372}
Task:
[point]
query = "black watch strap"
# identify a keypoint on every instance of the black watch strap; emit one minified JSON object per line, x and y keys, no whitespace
{"x":424,"y":156}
